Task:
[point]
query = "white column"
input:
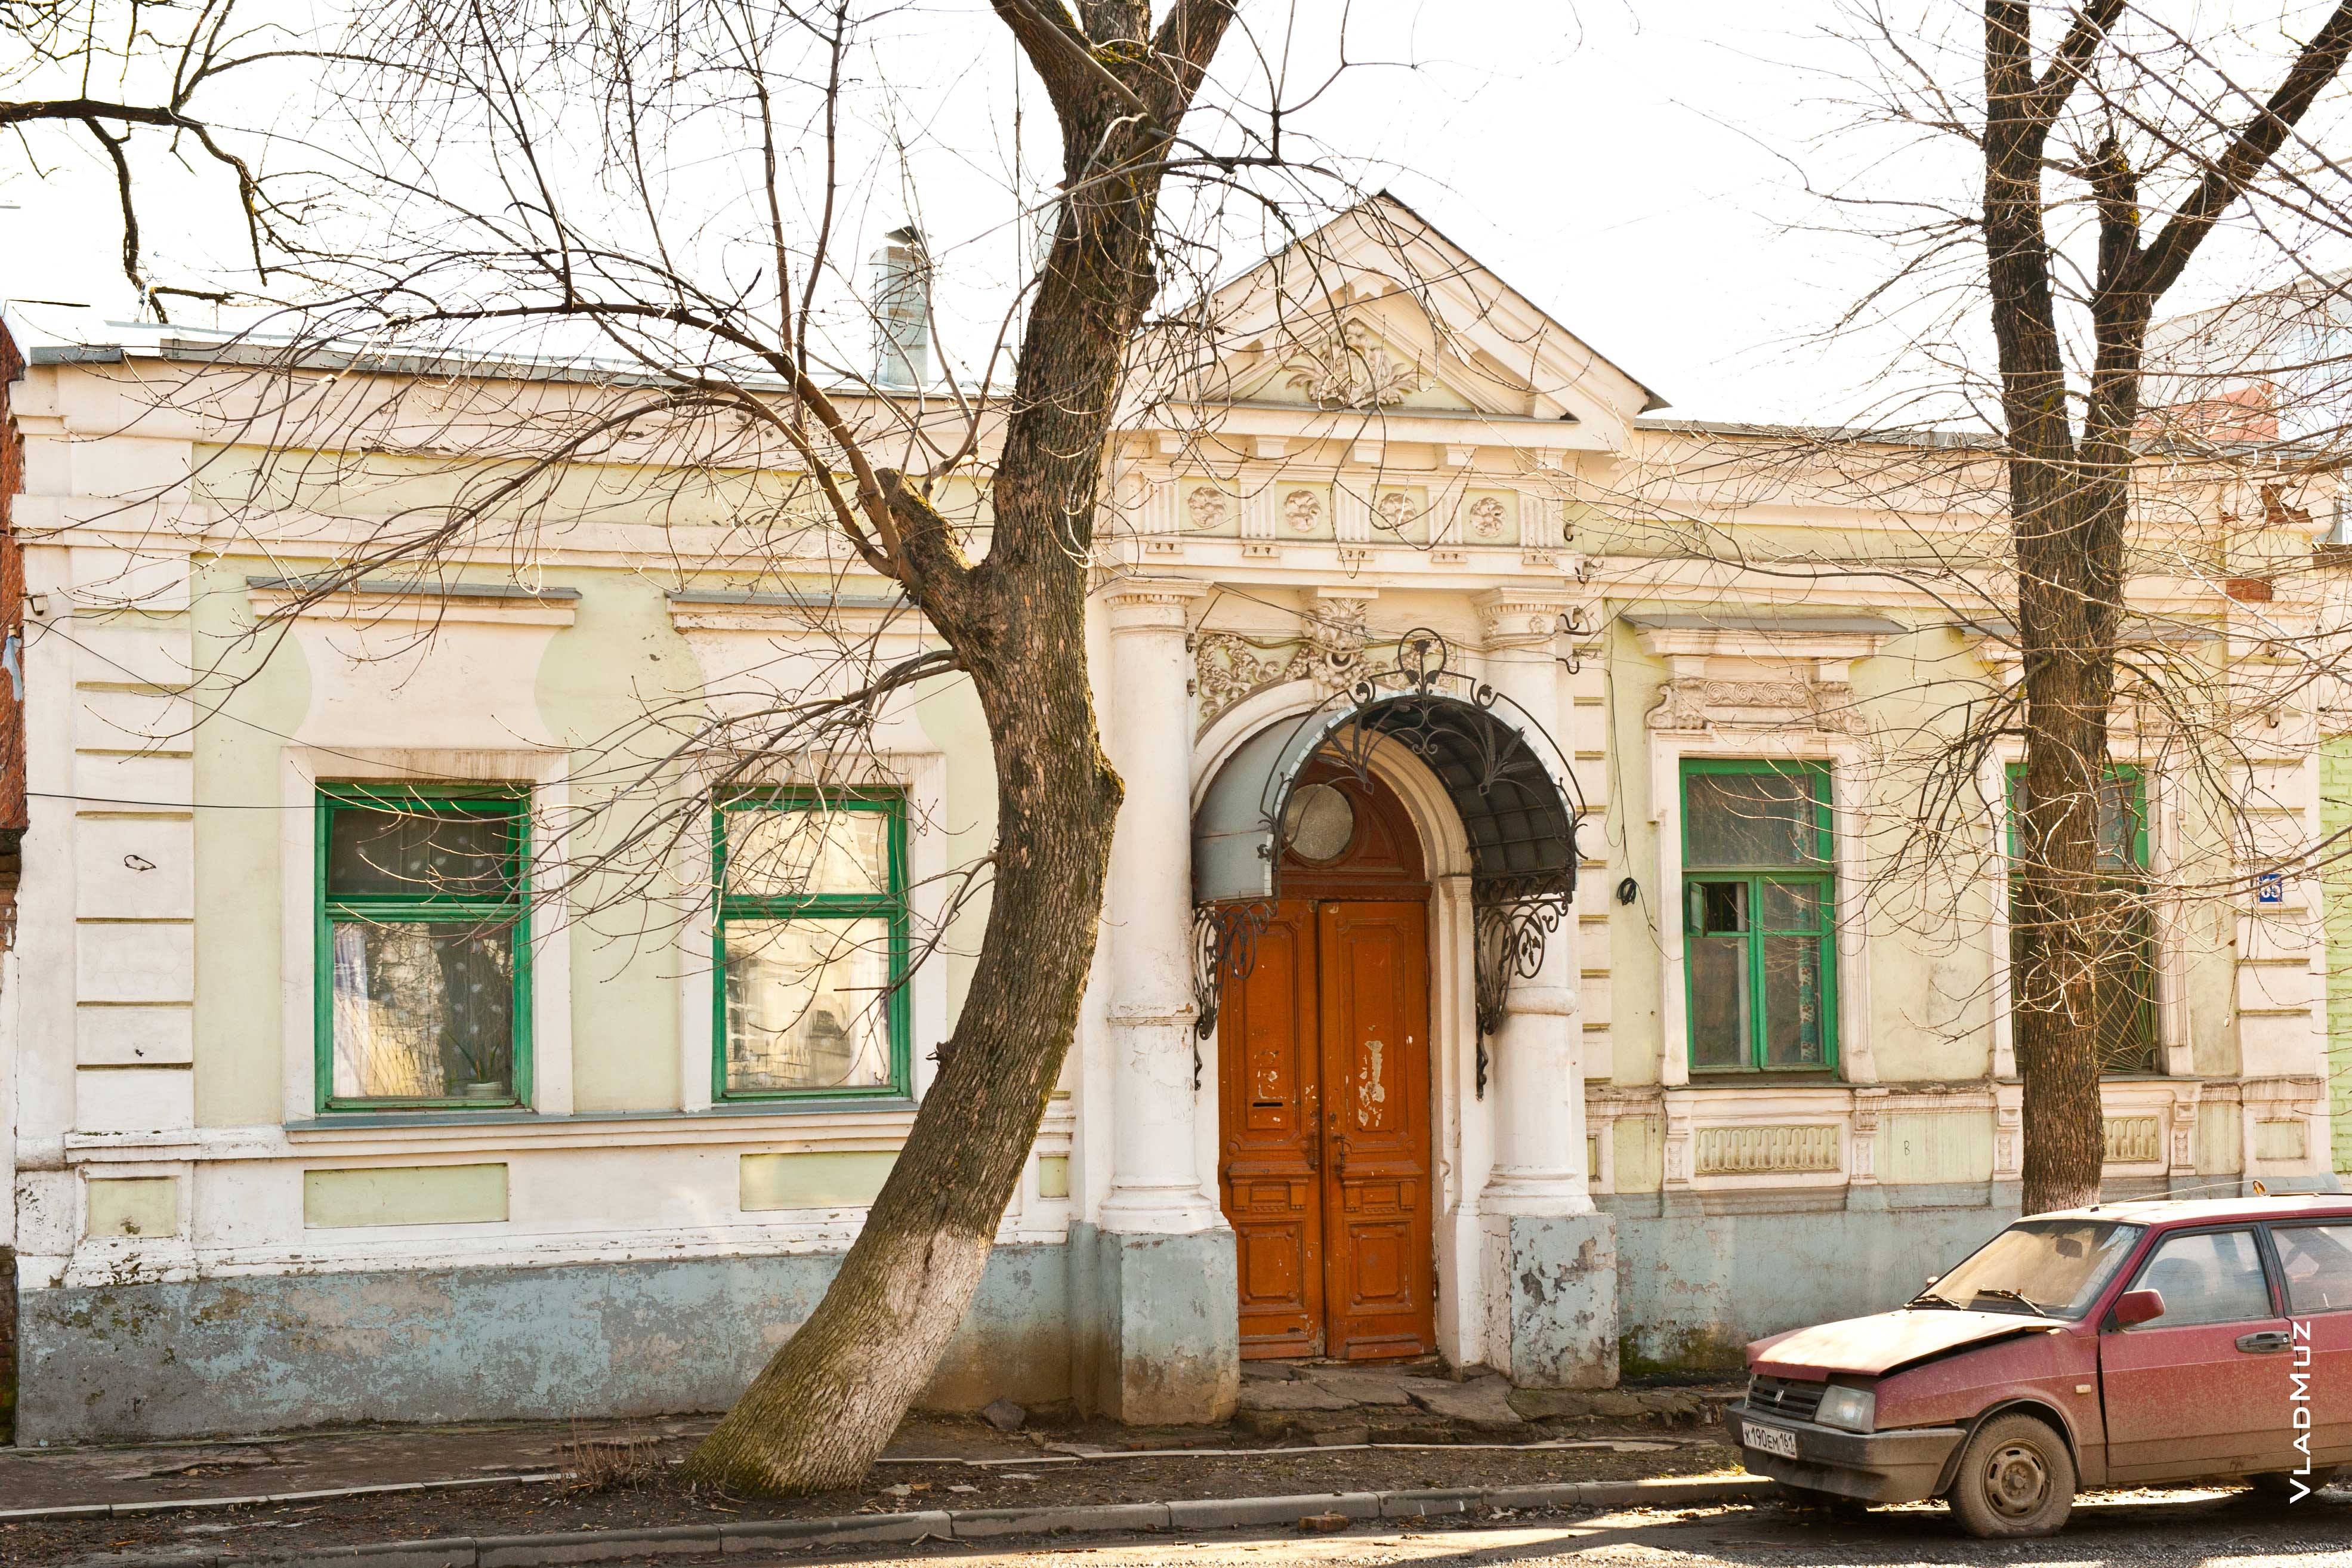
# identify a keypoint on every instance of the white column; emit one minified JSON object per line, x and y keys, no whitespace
{"x":1536,"y":1076}
{"x":1155,"y":1181}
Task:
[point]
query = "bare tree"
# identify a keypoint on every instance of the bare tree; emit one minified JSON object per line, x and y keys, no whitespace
{"x":568,"y":280}
{"x":2105,"y":498}
{"x":2071,"y":460}
{"x":104,"y":70}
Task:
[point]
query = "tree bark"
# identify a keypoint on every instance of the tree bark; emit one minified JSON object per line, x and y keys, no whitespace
{"x":829,"y":1400}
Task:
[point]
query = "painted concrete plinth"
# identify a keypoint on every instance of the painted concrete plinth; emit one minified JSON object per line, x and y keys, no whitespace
{"x":1162,"y":1342}
{"x":1701,"y":1275}
{"x":266,"y":1353}
{"x":1562,"y":1274}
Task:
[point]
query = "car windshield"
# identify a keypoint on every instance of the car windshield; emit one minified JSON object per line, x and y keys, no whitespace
{"x":2045,"y":1267}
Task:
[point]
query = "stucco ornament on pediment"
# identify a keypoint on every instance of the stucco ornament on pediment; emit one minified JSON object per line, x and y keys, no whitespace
{"x":1350,"y":369}
{"x":1702,"y":705}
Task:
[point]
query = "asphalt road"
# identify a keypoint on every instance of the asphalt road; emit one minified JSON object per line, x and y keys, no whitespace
{"x":2157,"y":1530}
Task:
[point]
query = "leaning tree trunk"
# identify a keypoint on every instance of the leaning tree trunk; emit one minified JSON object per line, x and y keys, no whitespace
{"x":831,"y":1397}
{"x":828,"y":1401}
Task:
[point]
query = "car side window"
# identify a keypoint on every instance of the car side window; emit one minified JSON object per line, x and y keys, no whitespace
{"x":2317,"y":1259}
{"x":2207,"y":1276}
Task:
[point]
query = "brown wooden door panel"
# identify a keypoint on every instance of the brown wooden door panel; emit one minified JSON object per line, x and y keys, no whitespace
{"x":1373,"y":1018}
{"x":1269,"y":1122}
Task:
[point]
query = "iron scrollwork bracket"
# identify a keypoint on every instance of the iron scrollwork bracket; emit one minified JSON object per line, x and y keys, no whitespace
{"x":1224,"y":947}
{"x":1511,"y":933}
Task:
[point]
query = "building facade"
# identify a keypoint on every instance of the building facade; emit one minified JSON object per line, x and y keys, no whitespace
{"x":1511,"y":952}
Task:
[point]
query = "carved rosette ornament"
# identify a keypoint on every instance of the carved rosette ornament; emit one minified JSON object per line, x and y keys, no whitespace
{"x":1206,"y":506}
{"x":1302,"y":510}
{"x":1487,"y":518}
{"x":1698,"y":704}
{"x":1349,"y":369}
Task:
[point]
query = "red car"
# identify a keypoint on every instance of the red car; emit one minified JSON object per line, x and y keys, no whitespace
{"x":2123,"y":1344}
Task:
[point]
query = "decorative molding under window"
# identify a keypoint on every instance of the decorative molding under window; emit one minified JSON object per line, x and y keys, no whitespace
{"x":2134,"y":1140}
{"x":1766,"y":1150}
{"x":1703,"y":704}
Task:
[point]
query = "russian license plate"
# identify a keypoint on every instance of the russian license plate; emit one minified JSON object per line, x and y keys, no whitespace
{"x":1766,"y":1439}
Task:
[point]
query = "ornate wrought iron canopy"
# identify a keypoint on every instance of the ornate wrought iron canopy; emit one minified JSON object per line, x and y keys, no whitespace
{"x":1497,"y":764}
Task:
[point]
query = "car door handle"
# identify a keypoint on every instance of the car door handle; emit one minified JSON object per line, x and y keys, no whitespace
{"x":2264,"y":1343}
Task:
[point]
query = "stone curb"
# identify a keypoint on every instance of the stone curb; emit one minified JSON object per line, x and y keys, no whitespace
{"x":173,"y":1505}
{"x":968,"y":1524}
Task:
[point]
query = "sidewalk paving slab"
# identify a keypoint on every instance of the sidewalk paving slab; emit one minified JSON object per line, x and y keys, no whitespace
{"x":556,"y":1551}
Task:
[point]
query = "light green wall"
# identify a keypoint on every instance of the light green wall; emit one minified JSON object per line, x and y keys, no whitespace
{"x":404,"y":1194}
{"x":620,"y":655}
{"x":619,"y":660}
{"x":812,"y":1180}
{"x":1930,"y":1017}
{"x":1929,"y":957}
{"x":949,"y":710}
{"x":131,"y":1205}
{"x":1935,"y":1146}
{"x":257,"y":699}
{"x":1930,"y":965}
{"x":2221,"y":1140}
{"x":1640,"y":1149}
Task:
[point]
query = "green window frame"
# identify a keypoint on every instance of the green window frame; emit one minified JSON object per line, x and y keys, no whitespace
{"x":885,"y":905}
{"x":2129,"y":1041}
{"x":1759,"y":917}
{"x":463,"y":925}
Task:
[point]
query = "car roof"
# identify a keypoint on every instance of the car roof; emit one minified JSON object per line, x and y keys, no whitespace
{"x":2206,"y":1211}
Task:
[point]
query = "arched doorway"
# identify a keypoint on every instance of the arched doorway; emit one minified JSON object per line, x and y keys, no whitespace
{"x":1325,"y":1148}
{"x":1312,"y":947}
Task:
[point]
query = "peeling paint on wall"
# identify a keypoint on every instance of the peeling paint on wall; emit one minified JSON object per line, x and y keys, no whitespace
{"x":264,"y":1353}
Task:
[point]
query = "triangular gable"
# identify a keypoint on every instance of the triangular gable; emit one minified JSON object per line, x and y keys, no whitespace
{"x":1377,"y":309}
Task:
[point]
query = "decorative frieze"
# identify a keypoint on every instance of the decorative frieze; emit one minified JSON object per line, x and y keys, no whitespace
{"x":1702,"y":705}
{"x":1766,"y":1150}
{"x":2134,"y":1140}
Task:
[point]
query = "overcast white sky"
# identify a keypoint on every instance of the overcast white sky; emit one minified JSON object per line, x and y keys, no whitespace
{"x":1628,"y":163}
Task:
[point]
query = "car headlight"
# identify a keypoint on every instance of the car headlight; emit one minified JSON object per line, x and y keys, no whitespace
{"x":1852,"y":1409}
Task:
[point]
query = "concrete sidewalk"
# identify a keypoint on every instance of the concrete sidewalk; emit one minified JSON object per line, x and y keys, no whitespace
{"x":1315,"y":1404}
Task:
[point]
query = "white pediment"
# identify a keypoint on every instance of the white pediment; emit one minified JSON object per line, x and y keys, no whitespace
{"x":1378,"y":313}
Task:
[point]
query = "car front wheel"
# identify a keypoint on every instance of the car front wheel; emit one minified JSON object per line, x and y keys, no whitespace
{"x":2016,"y":1478}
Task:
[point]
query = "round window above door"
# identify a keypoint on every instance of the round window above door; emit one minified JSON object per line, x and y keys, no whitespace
{"x":1319,"y":822}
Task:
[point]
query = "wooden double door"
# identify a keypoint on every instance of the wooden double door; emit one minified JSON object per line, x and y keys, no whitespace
{"x":1325,"y":1114}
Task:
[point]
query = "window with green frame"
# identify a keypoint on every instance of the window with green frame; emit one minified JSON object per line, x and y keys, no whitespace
{"x":1760,"y":952}
{"x":811,"y":945}
{"x":2124,"y":992}
{"x":424,"y":971}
